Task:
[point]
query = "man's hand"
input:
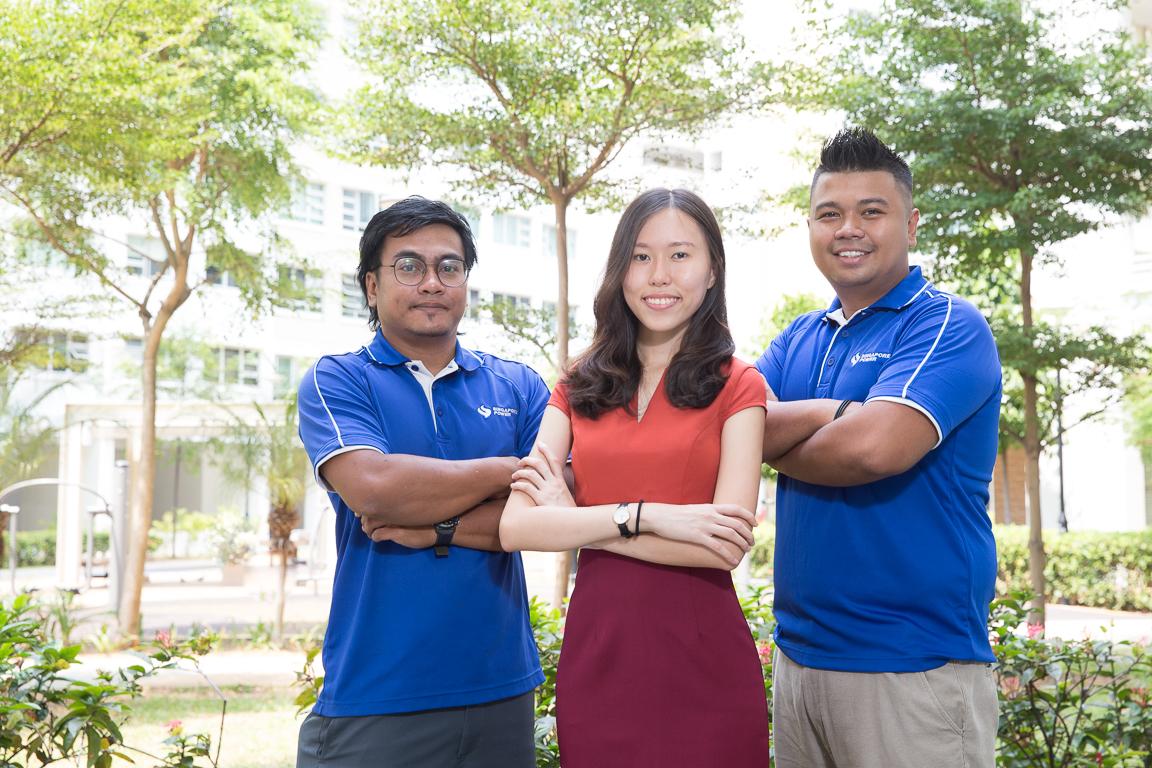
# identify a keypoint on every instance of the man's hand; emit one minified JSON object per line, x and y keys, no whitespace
{"x":413,"y":538}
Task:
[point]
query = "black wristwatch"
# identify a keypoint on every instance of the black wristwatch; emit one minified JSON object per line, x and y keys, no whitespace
{"x":444,"y":533}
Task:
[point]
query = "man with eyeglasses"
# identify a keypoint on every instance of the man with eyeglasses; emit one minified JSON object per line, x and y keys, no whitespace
{"x":429,"y":658}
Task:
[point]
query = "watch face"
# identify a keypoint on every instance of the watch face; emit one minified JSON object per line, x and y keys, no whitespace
{"x":621,"y":515}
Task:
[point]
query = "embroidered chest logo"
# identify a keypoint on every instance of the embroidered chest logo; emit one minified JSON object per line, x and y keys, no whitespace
{"x":496,"y":410}
{"x":869,"y":357}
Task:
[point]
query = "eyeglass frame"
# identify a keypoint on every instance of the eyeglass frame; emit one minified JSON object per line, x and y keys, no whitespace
{"x":424,"y":270}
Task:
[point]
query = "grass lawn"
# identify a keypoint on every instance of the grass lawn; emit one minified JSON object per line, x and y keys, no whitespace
{"x":259,"y":731}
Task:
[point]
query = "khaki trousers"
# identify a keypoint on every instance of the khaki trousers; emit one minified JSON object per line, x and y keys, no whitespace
{"x":943,"y":718}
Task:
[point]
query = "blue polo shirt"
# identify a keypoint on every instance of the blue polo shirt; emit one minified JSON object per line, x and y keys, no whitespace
{"x":409,"y":631}
{"x":894,"y":575}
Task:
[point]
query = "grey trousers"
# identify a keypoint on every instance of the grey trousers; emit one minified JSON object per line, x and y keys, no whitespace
{"x":943,"y":718}
{"x":498,"y":734}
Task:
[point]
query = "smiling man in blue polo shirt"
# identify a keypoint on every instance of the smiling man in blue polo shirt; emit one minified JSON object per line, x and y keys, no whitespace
{"x":429,"y":658}
{"x":885,"y":438}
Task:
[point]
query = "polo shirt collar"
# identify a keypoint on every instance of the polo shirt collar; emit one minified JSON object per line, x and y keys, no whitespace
{"x":901,"y":295}
{"x":384,"y":353}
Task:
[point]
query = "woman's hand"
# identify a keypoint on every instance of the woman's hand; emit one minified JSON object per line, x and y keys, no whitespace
{"x":723,"y":528}
{"x":541,"y":478}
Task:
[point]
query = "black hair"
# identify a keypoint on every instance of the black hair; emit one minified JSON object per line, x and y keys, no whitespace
{"x":858,"y":149}
{"x":607,"y":375}
{"x":400,"y":219}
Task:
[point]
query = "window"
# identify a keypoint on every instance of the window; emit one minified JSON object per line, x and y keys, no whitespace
{"x":216,"y":276}
{"x":549,"y":307}
{"x":550,"y":241}
{"x":299,"y":288}
{"x":58,"y":350}
{"x":232,"y":365}
{"x":472,"y":216}
{"x":289,"y":371}
{"x":351,"y":299}
{"x":359,"y":208}
{"x":473,"y":304}
{"x":308,"y":203}
{"x":512,"y":300}
{"x":512,"y":230}
{"x":146,"y":256}
{"x":674,"y":157}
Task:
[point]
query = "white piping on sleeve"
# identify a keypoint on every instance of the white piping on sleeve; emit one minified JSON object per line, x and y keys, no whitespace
{"x":944,"y":325}
{"x":915,"y":406}
{"x":324,"y":403}
{"x":320,"y":479}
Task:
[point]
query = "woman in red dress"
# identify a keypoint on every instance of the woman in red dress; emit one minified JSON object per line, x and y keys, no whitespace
{"x":664,"y":426}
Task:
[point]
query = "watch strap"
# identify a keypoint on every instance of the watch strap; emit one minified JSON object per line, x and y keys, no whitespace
{"x":624,"y":525}
{"x":444,"y":533}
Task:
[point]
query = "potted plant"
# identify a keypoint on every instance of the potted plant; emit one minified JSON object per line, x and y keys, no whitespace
{"x":232,"y":539}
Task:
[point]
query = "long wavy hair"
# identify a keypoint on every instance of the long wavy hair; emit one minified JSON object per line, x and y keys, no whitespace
{"x":607,"y":375}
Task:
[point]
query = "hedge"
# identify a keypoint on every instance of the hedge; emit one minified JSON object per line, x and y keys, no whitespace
{"x":1101,"y":570}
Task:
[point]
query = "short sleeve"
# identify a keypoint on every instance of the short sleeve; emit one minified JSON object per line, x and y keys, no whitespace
{"x":559,"y":399}
{"x":746,"y":388}
{"x":535,"y":400}
{"x":945,"y":364}
{"x":336,"y":414}
{"x":771,"y":363}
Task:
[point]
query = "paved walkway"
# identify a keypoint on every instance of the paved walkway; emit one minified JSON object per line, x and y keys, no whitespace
{"x":180,"y":595}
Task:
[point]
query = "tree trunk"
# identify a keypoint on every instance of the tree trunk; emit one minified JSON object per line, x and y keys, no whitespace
{"x":1036,"y":556}
{"x":143,"y":473}
{"x":281,"y":596}
{"x":141,"y":483}
{"x":560,"y":204}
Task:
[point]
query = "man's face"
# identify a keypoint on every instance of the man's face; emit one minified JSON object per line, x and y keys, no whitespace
{"x":860,"y":227}
{"x":415,"y":314}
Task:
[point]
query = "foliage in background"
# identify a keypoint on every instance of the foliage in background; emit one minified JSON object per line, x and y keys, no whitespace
{"x":232,"y":537}
{"x":178,"y":115}
{"x":1102,"y":570}
{"x":48,"y":716}
{"x":533,"y":102}
{"x":1069,"y":703}
{"x":270,"y":448}
{"x":1024,"y":126}
{"x":528,"y":334}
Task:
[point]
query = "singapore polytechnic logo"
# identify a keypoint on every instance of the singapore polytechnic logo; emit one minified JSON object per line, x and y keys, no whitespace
{"x":496,"y":410}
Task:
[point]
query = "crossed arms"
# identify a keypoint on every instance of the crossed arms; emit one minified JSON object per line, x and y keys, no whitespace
{"x":868,"y":442}
{"x":399,"y":497}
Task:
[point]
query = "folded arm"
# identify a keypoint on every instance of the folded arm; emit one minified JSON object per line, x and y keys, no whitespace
{"x":541,"y":515}
{"x":404,"y":490}
{"x":871,"y":442}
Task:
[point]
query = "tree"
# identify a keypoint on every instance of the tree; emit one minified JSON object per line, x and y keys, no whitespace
{"x":535,"y":100}
{"x":528,"y":331}
{"x":1024,"y":127}
{"x":270,"y":448}
{"x":787,"y":308}
{"x":192,"y":112}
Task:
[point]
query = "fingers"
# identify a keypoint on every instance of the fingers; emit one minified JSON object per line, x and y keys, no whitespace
{"x":554,"y":463}
{"x":532,"y":491}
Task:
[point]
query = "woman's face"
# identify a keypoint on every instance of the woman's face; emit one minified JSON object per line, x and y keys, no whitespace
{"x":668,"y":276}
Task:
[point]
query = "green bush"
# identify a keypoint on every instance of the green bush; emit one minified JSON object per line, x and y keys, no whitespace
{"x":760,"y":556}
{"x":46,"y":716}
{"x":38,"y":548}
{"x":1068,"y":703}
{"x":1103,"y":570}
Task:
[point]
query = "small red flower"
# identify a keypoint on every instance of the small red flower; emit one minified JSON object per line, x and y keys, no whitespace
{"x":175,"y":727}
{"x":1035,"y":631}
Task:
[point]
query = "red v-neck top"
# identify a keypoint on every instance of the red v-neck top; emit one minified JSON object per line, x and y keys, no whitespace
{"x":658,"y":667}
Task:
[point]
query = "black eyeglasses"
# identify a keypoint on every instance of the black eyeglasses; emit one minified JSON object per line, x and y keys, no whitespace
{"x":411,"y":271}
